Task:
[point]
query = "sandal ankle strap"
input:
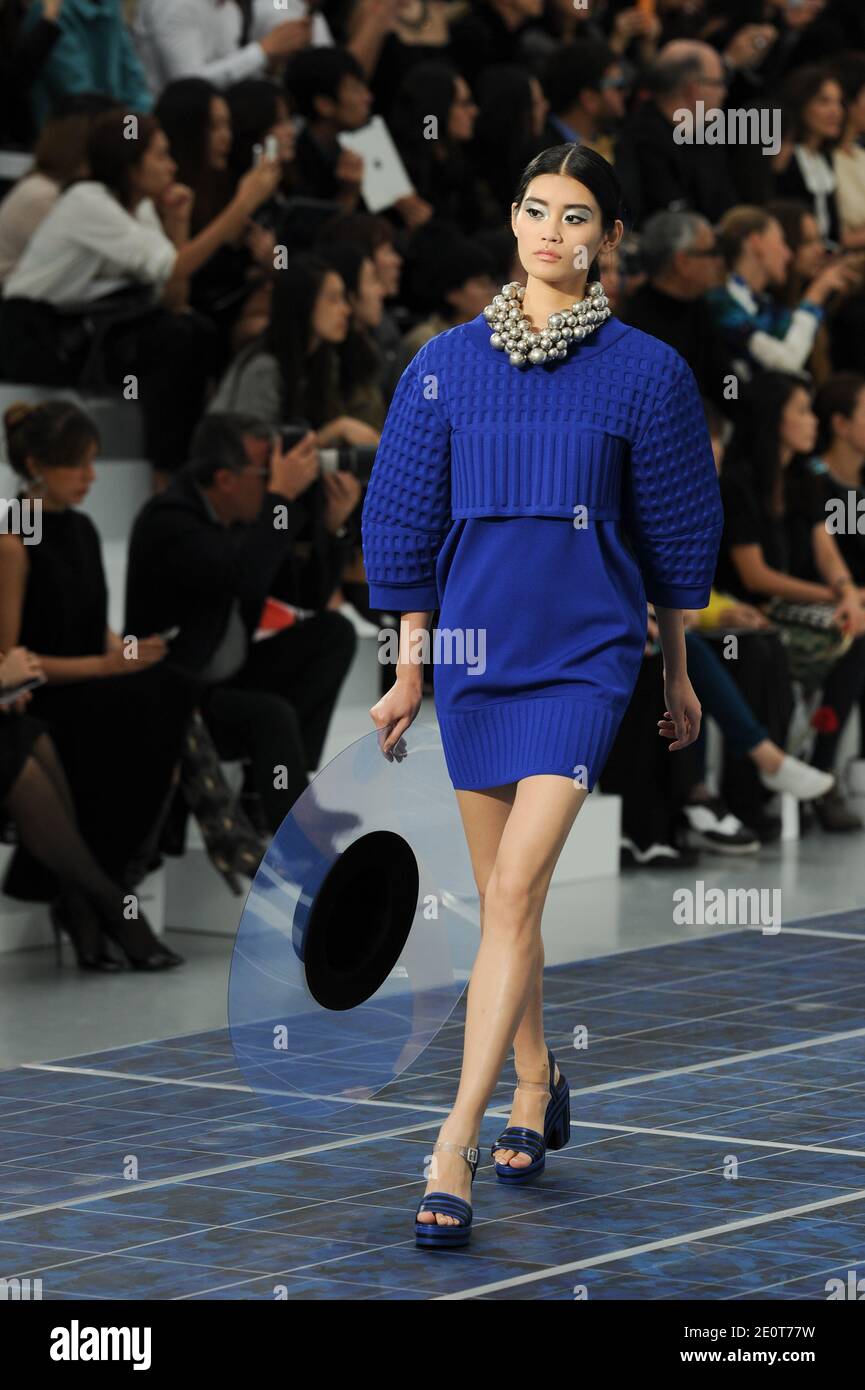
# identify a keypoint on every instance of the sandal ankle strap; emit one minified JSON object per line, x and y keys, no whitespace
{"x":468,"y":1151}
{"x":546,"y":1086}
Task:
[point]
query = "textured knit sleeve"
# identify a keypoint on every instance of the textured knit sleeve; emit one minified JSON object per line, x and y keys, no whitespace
{"x":407,"y":510}
{"x":671,"y":498}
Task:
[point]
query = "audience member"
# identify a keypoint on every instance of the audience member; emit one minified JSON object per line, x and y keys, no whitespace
{"x":297,"y":369}
{"x":758,"y":331}
{"x":774,"y":531}
{"x":93,"y":53}
{"x":126,"y":226}
{"x":90,"y":906}
{"x":59,"y":158}
{"x":682,"y":260}
{"x":204,"y":556}
{"x":658,"y":171}
{"x":115,"y":712}
{"x":202,"y":38}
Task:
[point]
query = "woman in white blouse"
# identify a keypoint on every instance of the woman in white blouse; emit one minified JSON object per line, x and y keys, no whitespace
{"x":126,"y":225}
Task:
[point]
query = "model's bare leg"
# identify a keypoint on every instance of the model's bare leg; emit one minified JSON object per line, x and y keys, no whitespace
{"x":505,"y":969}
{"x":484,"y":815}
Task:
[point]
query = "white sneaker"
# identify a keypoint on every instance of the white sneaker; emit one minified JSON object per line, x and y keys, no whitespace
{"x":800,"y":779}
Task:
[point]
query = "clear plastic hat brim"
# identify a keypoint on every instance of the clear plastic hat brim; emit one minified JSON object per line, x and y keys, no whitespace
{"x":359,"y":931}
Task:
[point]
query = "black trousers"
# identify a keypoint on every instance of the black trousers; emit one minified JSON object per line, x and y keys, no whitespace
{"x":277,"y":709}
{"x":652,"y":782}
{"x":172,"y":357}
{"x":843,"y":688}
{"x":119,"y":740}
{"x":762,"y":673}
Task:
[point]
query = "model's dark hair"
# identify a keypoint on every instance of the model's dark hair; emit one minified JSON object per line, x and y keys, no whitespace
{"x":838,"y":395}
{"x":55,"y":434}
{"x":755,"y":445}
{"x":112,"y":155}
{"x":589,"y":168}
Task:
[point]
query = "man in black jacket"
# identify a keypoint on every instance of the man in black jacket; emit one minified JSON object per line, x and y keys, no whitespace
{"x":204,"y":556}
{"x":659,"y":173}
{"x":682,"y":260}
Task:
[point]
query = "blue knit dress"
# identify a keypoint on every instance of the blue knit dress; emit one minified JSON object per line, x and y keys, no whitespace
{"x":538,"y":509}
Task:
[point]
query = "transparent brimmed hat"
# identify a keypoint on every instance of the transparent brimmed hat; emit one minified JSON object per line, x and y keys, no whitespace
{"x":358,"y":934}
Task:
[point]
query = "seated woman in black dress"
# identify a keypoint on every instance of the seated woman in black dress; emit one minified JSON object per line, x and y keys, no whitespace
{"x":776,"y":543}
{"x":115,"y":712}
{"x":35,"y":793}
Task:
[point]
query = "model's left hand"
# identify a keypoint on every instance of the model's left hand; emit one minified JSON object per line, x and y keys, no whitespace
{"x":682,"y":716}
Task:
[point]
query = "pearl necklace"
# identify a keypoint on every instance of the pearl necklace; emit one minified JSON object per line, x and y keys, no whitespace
{"x":512,"y":333}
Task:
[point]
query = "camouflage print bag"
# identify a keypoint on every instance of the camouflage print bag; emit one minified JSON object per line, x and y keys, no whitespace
{"x":812,"y":639}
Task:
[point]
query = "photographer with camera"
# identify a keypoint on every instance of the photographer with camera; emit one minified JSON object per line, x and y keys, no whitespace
{"x":206,"y":554}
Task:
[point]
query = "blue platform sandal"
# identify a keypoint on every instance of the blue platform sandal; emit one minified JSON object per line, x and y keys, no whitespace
{"x":430,"y":1233}
{"x":557,"y":1130}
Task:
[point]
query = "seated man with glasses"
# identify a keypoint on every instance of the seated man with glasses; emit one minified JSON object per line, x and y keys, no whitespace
{"x":682,"y":261}
{"x":205,"y":556}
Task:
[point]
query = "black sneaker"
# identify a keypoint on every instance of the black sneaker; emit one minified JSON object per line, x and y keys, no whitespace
{"x":834,"y":813}
{"x":711,"y":825}
{"x":655,"y":856}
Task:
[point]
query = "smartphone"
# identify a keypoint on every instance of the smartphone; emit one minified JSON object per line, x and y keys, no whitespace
{"x":169,"y":634}
{"x":14,"y":692}
{"x":269,"y":150}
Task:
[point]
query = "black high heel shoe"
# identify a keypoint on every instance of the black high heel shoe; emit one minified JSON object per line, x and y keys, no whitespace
{"x":71,"y":913}
{"x":143,"y":950}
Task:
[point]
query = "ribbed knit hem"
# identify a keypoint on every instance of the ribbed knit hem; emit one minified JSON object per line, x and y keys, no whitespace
{"x":505,"y":740}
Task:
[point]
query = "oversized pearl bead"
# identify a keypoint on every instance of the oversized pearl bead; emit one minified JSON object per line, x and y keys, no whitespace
{"x":515,"y":334}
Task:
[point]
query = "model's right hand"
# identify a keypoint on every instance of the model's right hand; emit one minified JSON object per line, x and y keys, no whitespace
{"x":393,"y":714}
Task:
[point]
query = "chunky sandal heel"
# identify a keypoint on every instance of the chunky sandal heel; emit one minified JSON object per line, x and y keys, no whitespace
{"x":429,"y":1234}
{"x":557,"y":1130}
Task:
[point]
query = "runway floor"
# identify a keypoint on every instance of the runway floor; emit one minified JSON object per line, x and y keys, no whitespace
{"x":717,"y":1151}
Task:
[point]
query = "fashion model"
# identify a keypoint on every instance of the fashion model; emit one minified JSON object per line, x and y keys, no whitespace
{"x":543,"y":471}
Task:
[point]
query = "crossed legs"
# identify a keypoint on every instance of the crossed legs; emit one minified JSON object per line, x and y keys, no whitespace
{"x":515,"y":834}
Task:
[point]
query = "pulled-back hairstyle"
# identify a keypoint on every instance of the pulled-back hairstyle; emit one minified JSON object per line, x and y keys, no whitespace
{"x":587,"y":167}
{"x":55,"y":434}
